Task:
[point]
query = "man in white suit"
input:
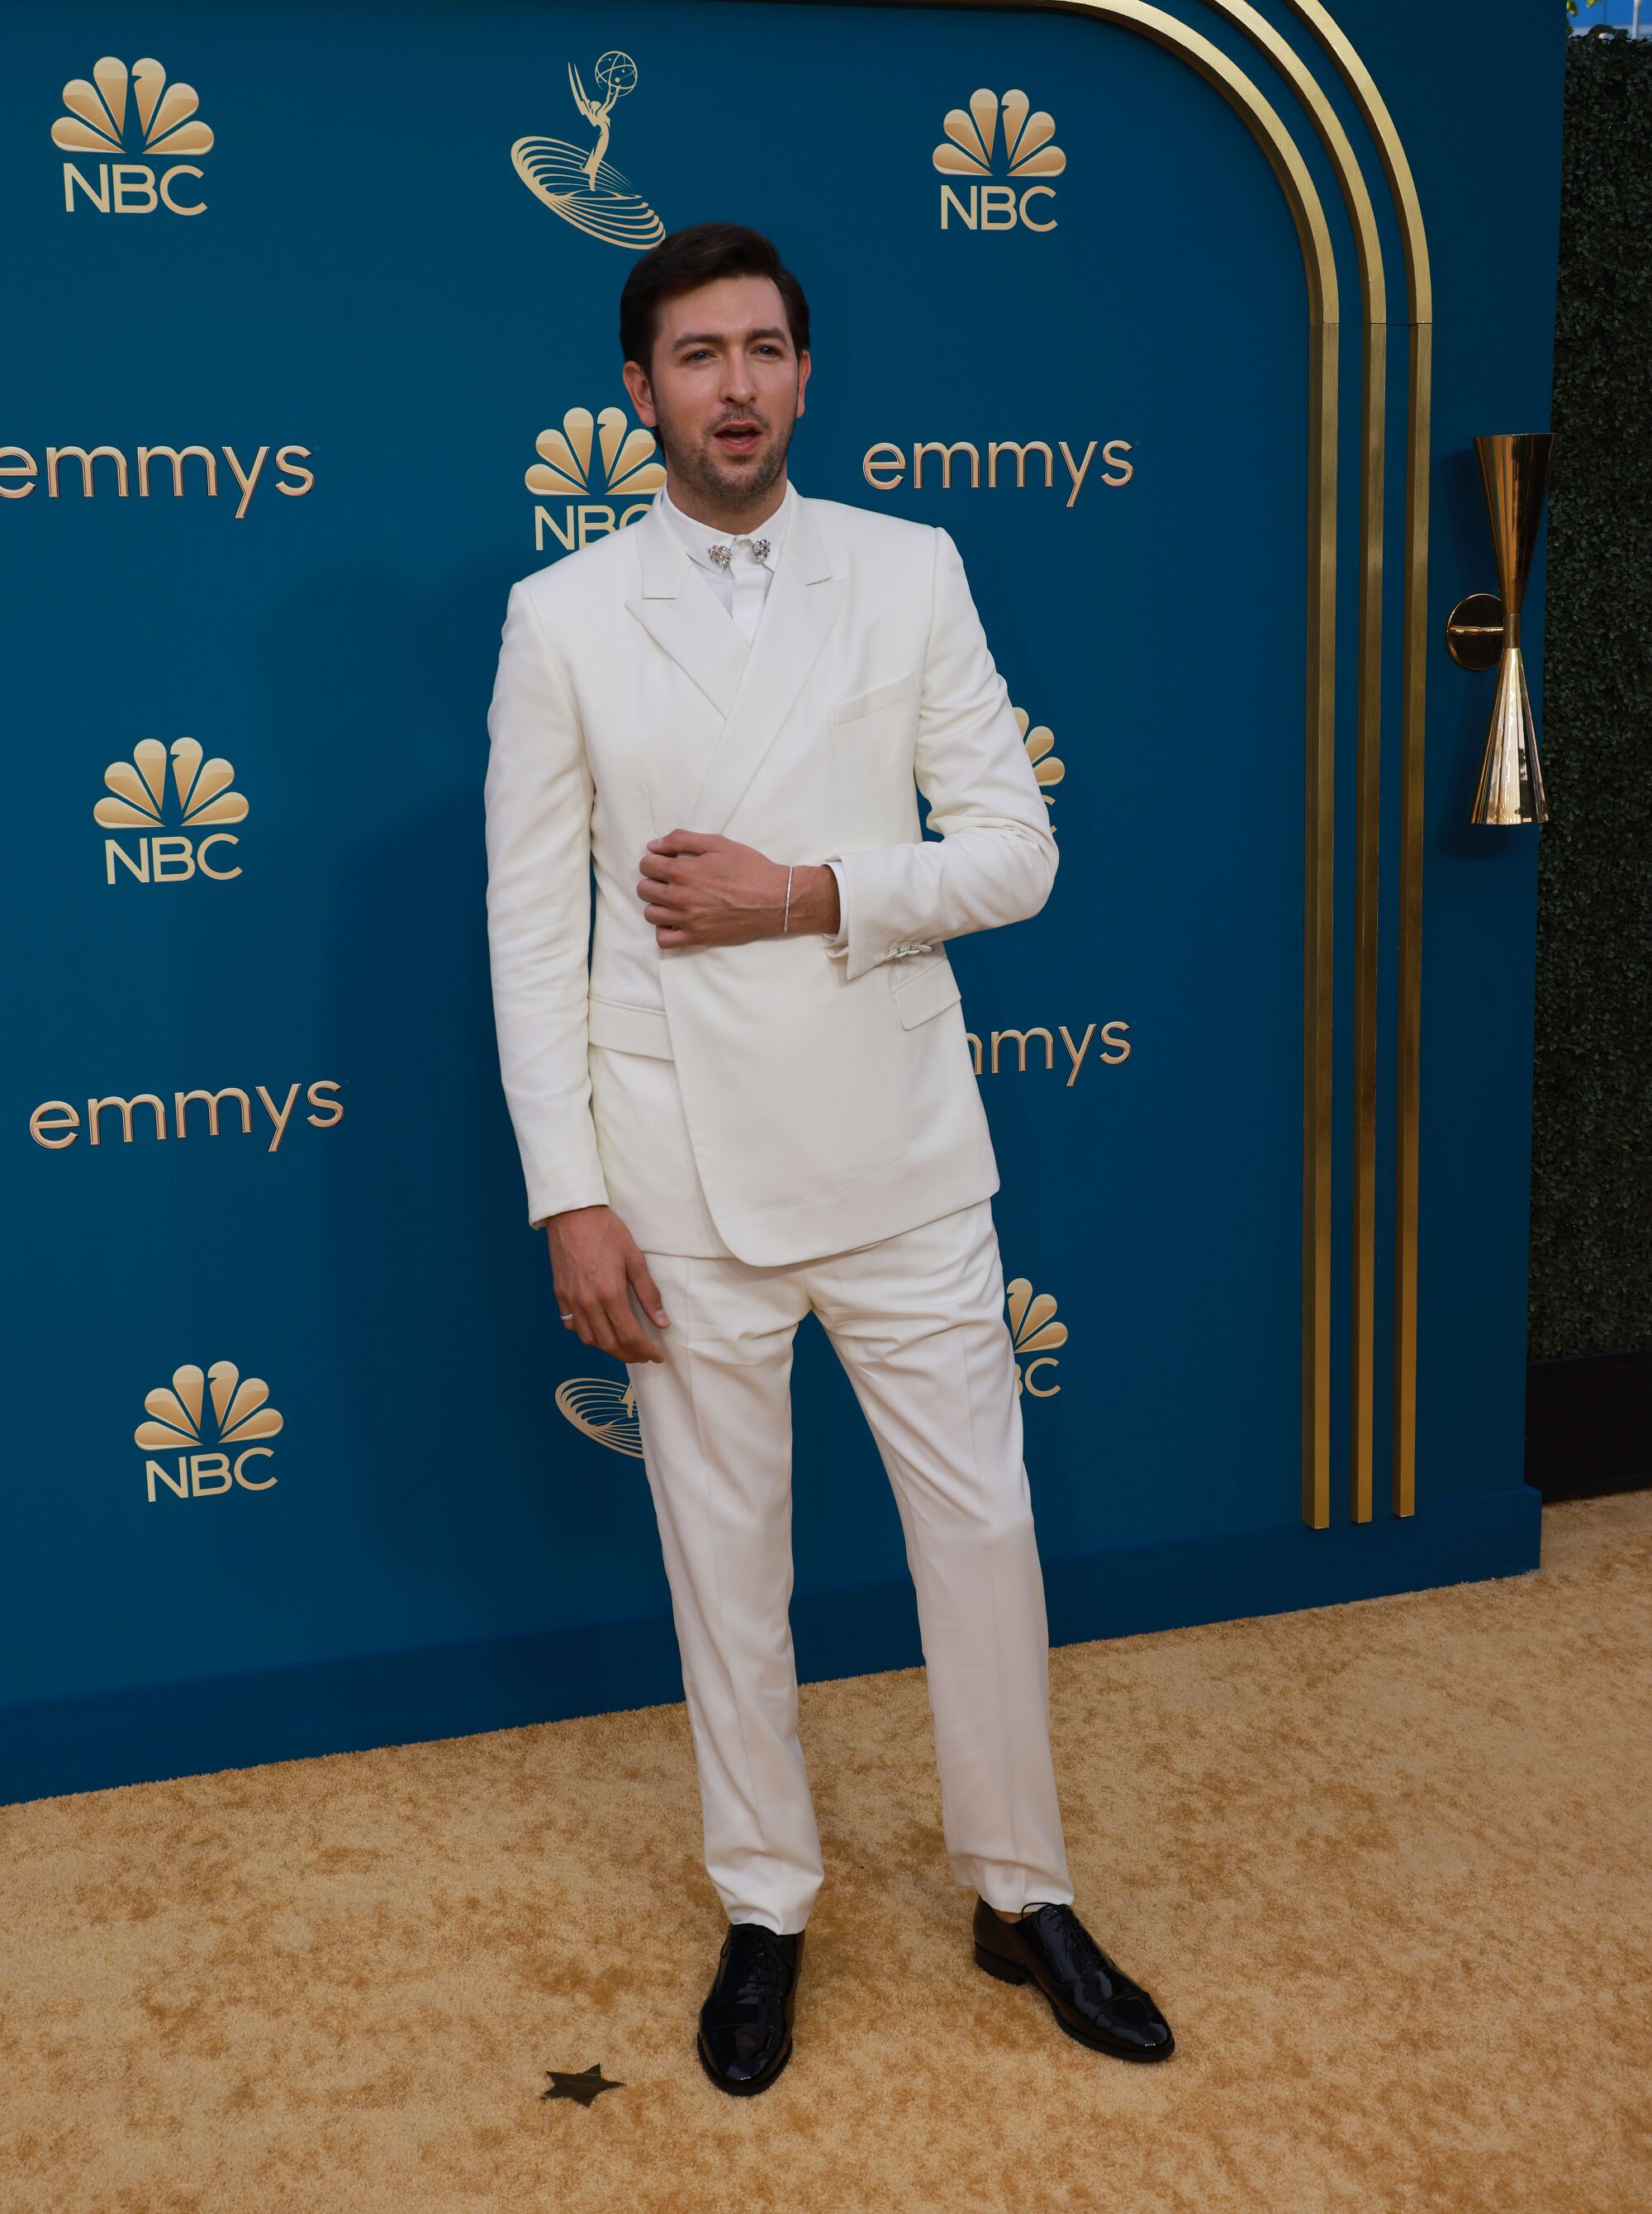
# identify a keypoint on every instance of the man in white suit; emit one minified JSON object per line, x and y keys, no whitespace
{"x":752,"y":1095}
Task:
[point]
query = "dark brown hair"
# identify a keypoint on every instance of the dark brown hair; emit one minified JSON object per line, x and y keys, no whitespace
{"x":698,"y":255}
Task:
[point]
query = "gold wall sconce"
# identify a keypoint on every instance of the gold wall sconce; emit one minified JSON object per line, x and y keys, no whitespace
{"x":1484,"y":631}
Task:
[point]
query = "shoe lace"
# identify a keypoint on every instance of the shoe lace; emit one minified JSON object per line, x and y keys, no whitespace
{"x":757,"y":1965}
{"x":1082,"y":1949}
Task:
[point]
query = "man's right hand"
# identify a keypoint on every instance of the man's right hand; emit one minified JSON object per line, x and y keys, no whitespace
{"x":595,"y":1261}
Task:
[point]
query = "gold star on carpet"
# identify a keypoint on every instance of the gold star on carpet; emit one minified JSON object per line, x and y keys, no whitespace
{"x":585,"y":2086}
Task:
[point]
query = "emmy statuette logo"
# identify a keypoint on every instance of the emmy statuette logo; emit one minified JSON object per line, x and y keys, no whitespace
{"x":1035,"y":1333}
{"x":599,"y":490}
{"x":579,"y":183}
{"x":978,"y":148}
{"x":209,"y":1454}
{"x":120,"y":115}
{"x":179,"y":837}
{"x":604,"y":1410}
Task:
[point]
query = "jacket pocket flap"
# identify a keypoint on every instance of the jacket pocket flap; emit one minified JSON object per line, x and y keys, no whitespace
{"x":867,"y":703}
{"x":628,"y":1029}
{"x":927,"y":994}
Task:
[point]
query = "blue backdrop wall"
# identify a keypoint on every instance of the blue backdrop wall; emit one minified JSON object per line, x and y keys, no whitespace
{"x":289,"y":1469}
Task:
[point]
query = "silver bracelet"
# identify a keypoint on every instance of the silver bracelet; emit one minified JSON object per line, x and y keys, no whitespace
{"x":785,"y":920}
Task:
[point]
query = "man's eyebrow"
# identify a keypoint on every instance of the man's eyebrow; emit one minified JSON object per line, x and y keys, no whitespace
{"x":716,"y":338}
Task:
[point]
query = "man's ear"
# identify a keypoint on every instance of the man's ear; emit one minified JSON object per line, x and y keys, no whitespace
{"x":641,"y":390}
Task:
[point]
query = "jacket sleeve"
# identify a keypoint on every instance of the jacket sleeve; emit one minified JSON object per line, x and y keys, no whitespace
{"x":537,"y":798}
{"x":995,"y":859}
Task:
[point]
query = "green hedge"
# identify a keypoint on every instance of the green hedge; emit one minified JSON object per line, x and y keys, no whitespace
{"x":1591,"y":1277}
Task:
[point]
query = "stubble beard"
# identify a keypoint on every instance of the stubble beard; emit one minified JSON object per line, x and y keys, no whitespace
{"x":699,"y":471}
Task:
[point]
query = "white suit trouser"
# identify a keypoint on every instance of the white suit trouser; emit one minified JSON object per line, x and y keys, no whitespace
{"x":918,"y":1321}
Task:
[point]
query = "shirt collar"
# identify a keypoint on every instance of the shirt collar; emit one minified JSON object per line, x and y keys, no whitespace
{"x":697,"y":536}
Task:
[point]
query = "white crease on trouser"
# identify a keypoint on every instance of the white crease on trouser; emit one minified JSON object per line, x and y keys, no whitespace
{"x":918,"y":1322}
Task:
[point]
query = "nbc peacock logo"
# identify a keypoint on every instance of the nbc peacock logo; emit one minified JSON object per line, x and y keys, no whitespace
{"x":601,"y":472}
{"x":604,"y":1410}
{"x":1035,"y":1333}
{"x":579,"y":183}
{"x":1047,"y":765}
{"x":1008,"y":139}
{"x":181,"y":820}
{"x":210,"y":1455}
{"x":142,"y":129}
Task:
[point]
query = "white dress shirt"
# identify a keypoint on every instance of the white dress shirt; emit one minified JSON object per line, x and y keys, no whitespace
{"x":741,"y":585}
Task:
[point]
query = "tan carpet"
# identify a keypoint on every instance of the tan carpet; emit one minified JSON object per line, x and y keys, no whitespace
{"x":1384,"y":1865}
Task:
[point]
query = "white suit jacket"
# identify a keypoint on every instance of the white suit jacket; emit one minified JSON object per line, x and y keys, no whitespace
{"x":800,"y":1100}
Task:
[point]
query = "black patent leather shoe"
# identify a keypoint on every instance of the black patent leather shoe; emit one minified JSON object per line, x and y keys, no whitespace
{"x":745,"y":2025}
{"x":1089,"y":1994}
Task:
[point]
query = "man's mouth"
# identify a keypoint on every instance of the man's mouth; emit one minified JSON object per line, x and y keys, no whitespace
{"x":738,"y":438}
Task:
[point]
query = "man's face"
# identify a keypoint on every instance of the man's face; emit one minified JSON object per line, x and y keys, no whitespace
{"x":725,"y":391}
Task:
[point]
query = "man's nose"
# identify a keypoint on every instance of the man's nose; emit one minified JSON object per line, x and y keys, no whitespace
{"x":739,"y":384}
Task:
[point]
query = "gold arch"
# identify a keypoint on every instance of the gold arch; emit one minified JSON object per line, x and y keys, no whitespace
{"x":1420,"y":293}
{"x":1373,"y":409}
{"x":1419,"y":407}
{"x":1373,"y":416}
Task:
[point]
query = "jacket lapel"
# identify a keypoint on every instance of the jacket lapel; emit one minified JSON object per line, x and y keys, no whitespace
{"x":680,"y":610}
{"x":754,"y":688}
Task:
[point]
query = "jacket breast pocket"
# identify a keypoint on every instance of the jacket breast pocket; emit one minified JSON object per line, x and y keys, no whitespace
{"x":872,"y":738}
{"x":861,"y":703}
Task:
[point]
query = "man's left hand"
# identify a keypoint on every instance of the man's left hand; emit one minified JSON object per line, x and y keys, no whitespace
{"x":701,"y":889}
